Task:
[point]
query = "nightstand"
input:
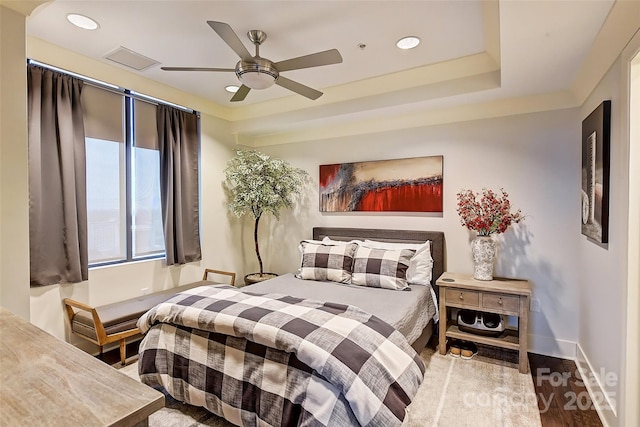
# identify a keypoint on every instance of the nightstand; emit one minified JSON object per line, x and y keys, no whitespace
{"x":500,"y":295}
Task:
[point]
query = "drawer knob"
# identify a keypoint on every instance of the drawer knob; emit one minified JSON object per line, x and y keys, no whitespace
{"x":499,"y":301}
{"x":461,"y":297}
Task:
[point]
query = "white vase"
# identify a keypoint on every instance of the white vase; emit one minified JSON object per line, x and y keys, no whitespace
{"x":483,"y":249}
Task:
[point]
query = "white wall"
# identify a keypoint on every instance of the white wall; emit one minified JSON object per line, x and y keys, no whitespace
{"x":535,"y":157}
{"x":603,"y":276}
{"x":631,"y":410}
{"x":608,"y":329}
{"x":14,"y":179}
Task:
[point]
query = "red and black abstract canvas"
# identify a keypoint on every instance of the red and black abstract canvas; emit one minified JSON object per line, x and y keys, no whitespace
{"x":400,"y":185}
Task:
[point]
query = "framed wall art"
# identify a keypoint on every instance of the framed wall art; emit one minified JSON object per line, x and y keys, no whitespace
{"x":399,"y":185}
{"x":596,"y":129}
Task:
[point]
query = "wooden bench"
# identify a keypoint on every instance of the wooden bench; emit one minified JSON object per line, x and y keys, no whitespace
{"x":118,"y":321}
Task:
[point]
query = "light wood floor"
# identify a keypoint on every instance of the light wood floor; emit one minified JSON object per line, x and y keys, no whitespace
{"x":557,"y":403}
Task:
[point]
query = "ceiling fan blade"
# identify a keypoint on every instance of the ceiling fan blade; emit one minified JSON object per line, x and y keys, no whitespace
{"x":197,"y":69}
{"x":241,"y":93}
{"x":229,"y":36}
{"x":331,"y":56}
{"x":298,"y":88}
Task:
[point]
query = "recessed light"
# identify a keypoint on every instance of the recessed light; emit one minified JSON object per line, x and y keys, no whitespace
{"x":231,"y":88}
{"x":82,"y":21}
{"x":408,"y":42}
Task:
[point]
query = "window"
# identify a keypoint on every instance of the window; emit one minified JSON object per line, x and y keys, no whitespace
{"x":124,"y":219}
{"x":147,"y":235}
{"x":106,"y":213}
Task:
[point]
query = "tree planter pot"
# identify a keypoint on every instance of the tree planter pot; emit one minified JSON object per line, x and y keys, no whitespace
{"x":252,"y":278}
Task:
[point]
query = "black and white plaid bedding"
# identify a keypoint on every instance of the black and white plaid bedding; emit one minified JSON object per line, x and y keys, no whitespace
{"x":275,"y":360}
{"x":381,"y":268}
{"x":327,"y":262}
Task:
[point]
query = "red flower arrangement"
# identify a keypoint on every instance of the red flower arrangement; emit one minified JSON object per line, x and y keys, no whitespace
{"x":492,"y":214}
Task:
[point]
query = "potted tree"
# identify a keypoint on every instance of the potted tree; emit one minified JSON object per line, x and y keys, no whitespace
{"x":258,"y":184}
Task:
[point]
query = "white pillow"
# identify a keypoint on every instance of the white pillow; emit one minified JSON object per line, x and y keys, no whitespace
{"x":329,"y":241}
{"x":420,"y":265}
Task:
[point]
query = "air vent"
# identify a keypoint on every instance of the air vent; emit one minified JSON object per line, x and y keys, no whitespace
{"x":130,"y":59}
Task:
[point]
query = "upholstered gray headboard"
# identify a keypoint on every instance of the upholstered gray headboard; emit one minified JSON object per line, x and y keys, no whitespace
{"x":409,"y":236}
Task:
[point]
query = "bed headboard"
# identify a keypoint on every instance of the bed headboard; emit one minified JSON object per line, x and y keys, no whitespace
{"x":407,"y":236}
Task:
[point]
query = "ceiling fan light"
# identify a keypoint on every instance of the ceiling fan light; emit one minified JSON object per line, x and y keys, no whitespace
{"x":408,"y":42}
{"x":260,"y":74}
{"x":257,"y":79}
{"x":232,"y":88}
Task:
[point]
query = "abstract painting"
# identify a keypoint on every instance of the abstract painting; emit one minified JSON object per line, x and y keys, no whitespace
{"x":400,"y":185}
{"x":595,"y":173}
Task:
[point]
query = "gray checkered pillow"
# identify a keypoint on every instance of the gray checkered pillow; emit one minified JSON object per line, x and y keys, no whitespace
{"x":327,"y":262}
{"x":381,"y":268}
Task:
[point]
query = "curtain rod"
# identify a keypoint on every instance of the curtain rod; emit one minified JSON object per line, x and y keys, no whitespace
{"x":113,"y":88}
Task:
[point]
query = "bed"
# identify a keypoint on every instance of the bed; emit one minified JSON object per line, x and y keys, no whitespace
{"x":256,"y":355}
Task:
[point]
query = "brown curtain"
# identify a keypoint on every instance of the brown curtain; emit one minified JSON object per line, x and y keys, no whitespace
{"x":178,"y":142}
{"x":57,"y":179}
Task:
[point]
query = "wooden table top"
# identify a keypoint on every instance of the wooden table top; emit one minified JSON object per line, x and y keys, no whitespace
{"x":47,"y":382}
{"x":498,"y":284}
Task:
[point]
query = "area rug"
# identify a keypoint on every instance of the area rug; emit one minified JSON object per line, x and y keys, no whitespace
{"x":483,"y":391}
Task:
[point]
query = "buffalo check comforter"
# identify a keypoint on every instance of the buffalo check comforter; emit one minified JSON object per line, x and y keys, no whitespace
{"x":276,"y":360}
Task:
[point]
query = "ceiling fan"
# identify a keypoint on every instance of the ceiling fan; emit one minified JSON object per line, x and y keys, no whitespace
{"x":255,"y":72}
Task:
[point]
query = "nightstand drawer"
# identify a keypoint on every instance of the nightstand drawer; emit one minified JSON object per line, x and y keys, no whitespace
{"x":457,"y":296}
{"x":501,"y":302}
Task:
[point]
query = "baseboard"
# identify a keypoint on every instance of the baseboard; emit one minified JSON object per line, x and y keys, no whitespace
{"x":603,"y":401}
{"x":552,"y":347}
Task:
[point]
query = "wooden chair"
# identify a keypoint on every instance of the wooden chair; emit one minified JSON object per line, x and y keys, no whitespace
{"x":225,"y":273}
